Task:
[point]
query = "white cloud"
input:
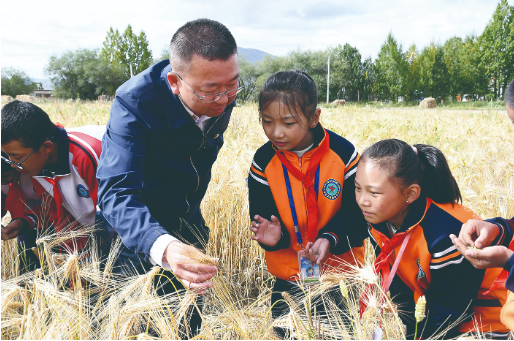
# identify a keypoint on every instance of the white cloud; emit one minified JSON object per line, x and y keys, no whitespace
{"x":32,"y":31}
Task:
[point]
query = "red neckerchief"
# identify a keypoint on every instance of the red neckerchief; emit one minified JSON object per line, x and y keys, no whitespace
{"x":308,"y":182}
{"x":382,"y":263}
{"x":16,"y":208}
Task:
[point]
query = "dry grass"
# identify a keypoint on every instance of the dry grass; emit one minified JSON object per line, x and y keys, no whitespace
{"x":100,"y":305}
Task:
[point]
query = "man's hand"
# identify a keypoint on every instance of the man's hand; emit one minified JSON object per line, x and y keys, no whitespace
{"x":490,"y":257}
{"x":478,"y":233}
{"x":194,"y":275}
{"x":317,"y":252}
{"x":266,"y":232}
{"x":13,"y":229}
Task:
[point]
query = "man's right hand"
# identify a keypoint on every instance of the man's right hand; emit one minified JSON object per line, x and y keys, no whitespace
{"x":266,"y":232}
{"x":478,"y":233}
{"x":194,"y":275}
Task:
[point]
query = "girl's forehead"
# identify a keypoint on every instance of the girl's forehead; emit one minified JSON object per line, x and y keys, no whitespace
{"x":371,"y":172}
{"x":280,"y":110}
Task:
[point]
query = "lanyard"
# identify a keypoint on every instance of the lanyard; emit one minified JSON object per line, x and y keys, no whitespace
{"x":291,"y":201}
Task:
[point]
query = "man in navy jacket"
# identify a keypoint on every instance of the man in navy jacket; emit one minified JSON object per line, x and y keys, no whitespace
{"x":164,"y":133}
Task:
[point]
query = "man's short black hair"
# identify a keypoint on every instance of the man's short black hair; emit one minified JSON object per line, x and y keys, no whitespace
{"x":205,"y":38}
{"x":509,"y":95}
{"x":26,"y":123}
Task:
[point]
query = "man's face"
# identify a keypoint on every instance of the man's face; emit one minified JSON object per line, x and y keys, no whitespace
{"x":35,"y":162}
{"x":510,"y":112}
{"x":206,"y":77}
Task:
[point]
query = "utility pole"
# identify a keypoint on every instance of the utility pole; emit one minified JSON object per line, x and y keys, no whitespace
{"x":358,"y":96}
{"x":328,"y":79}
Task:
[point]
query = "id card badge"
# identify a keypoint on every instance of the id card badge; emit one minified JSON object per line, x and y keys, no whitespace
{"x":309,"y":272}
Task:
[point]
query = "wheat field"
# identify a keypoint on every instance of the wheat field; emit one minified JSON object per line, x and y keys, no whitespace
{"x":98,"y":304}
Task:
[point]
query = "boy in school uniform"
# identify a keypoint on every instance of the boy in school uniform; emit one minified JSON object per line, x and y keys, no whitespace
{"x":61,"y":162}
{"x":494,"y":241}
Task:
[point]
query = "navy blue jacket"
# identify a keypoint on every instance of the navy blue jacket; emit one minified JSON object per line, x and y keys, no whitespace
{"x":156,"y":163}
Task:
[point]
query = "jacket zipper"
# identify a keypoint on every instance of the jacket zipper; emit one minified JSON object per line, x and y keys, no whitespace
{"x":191,"y":159}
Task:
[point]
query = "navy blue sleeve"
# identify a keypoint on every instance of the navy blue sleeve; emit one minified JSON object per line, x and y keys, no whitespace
{"x":120,"y":179}
{"x":262,"y":203}
{"x":505,"y":235}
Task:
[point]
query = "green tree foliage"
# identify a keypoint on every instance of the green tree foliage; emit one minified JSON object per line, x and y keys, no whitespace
{"x":127,"y":49}
{"x":16,"y":82}
{"x":433,"y":72}
{"x":497,"y":47}
{"x":83,"y":74}
{"x":346,"y":73}
{"x":247,"y":79}
{"x":391,"y":67}
{"x":411,"y":80}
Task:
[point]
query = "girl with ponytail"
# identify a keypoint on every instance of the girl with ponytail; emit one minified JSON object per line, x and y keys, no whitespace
{"x":410,"y":200}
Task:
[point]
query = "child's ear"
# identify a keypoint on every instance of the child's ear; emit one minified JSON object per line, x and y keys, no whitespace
{"x":173,"y":80}
{"x":48,"y":146}
{"x":412,"y":193}
{"x":315,"y":118}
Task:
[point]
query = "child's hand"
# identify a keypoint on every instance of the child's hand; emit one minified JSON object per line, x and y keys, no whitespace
{"x":13,"y":229}
{"x":478,"y":233}
{"x":317,"y":252}
{"x":266,"y":232}
{"x":490,"y":257}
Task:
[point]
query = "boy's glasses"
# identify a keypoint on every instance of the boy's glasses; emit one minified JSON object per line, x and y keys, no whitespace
{"x":213,"y":97}
{"x":18,"y":164}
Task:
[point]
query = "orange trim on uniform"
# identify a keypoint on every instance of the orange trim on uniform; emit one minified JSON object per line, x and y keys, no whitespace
{"x":257,"y":171}
{"x":440,"y":260}
{"x":354,"y":162}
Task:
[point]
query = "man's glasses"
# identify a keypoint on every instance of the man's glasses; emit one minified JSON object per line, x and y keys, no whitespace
{"x":18,"y":164}
{"x":213,"y":97}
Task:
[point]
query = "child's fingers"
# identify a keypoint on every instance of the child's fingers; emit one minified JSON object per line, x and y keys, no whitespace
{"x":260,"y":219}
{"x":275,"y":220}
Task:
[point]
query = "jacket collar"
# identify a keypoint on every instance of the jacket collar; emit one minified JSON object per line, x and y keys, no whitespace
{"x":62,"y":167}
{"x":416,"y":214}
{"x":176,"y":113}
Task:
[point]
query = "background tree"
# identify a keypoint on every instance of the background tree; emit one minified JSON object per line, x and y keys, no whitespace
{"x":369,"y":76}
{"x":411,"y":78}
{"x":391,"y":68}
{"x":16,"y":82}
{"x":83,"y":74}
{"x":247,"y":79}
{"x":497,"y":47}
{"x":347,"y":73}
{"x":67,"y":73}
{"x":127,"y":49}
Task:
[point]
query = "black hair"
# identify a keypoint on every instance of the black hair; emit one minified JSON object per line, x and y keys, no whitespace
{"x":428,"y":168}
{"x":205,"y":38}
{"x":26,"y":123}
{"x":295,"y":89}
{"x":509,"y":95}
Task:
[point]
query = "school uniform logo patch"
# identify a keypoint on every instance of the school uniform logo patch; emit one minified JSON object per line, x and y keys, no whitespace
{"x":421,"y":273}
{"x":331,"y":189}
{"x":82,"y":191}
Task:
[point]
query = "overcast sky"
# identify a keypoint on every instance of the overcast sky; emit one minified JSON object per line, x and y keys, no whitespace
{"x":34,"y":30}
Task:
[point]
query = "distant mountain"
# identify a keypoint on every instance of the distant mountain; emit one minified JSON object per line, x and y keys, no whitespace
{"x":47,"y":83}
{"x":252,"y":55}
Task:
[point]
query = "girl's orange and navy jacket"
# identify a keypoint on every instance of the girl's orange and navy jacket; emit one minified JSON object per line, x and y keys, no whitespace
{"x":339,"y":220}
{"x":507,"y":314}
{"x":432,"y":266}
